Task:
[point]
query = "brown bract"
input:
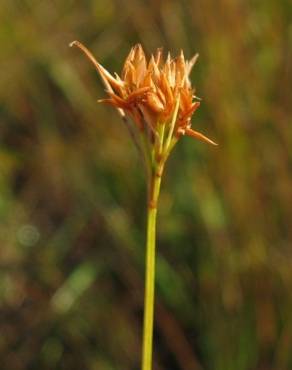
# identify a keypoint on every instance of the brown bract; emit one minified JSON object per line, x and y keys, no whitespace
{"x":148,"y":91}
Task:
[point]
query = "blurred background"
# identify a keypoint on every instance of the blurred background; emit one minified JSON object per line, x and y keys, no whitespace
{"x":72,"y":192}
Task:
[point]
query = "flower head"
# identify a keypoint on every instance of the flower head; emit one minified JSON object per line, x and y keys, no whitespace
{"x":156,"y":94}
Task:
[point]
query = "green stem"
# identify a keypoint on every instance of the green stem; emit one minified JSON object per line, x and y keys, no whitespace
{"x":150,"y":270}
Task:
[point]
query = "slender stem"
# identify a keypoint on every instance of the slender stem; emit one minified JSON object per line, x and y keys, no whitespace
{"x":150,"y":270}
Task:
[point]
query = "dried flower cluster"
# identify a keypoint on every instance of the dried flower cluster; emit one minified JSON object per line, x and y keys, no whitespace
{"x":153,"y":93}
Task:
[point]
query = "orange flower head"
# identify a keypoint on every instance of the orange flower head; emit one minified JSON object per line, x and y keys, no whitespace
{"x":153,"y":92}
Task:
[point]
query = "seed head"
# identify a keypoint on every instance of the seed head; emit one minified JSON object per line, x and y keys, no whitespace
{"x":153,"y":92}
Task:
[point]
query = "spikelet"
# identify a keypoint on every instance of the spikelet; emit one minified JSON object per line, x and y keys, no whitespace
{"x":148,"y":91}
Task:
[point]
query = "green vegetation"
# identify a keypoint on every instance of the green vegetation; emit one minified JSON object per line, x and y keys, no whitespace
{"x":71,"y":233}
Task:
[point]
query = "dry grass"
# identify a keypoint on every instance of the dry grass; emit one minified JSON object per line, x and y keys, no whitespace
{"x":71,"y":233}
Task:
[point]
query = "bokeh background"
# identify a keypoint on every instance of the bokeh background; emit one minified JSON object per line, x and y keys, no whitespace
{"x":72,"y":191}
